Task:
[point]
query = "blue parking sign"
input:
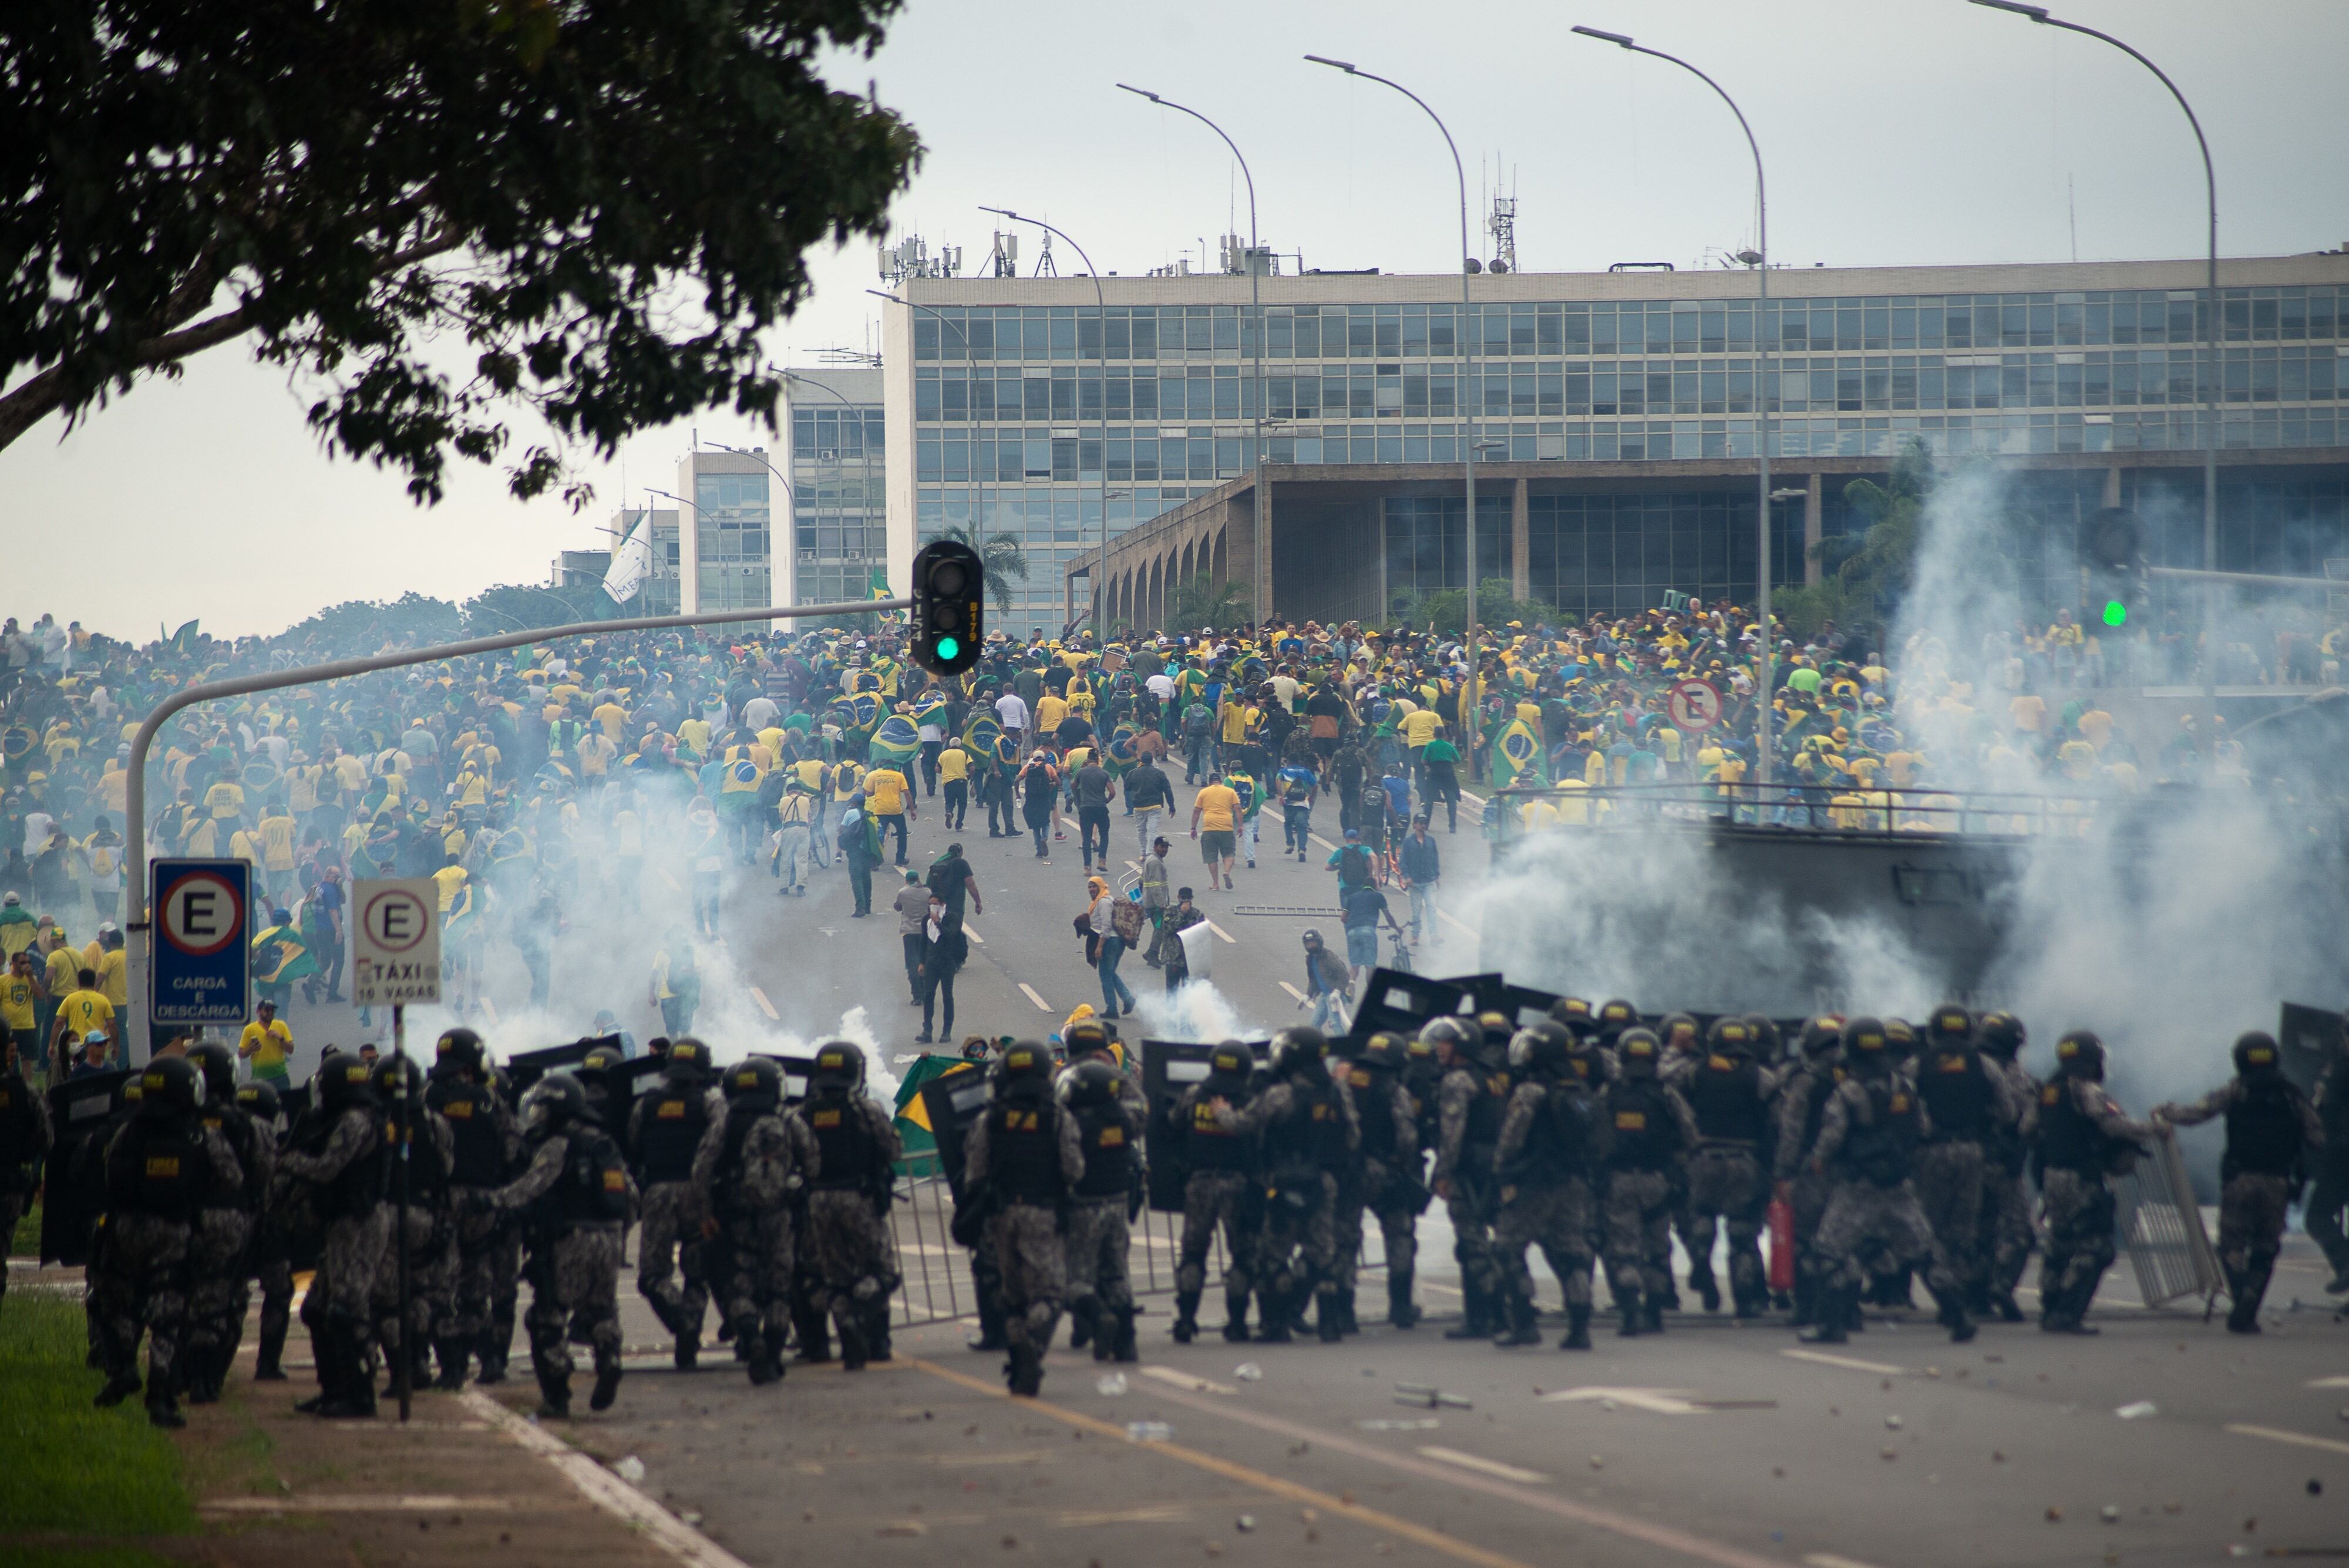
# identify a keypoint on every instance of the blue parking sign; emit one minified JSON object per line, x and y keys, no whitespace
{"x":204,"y":942}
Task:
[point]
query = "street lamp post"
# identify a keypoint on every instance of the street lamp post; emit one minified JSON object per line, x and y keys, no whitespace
{"x":1468,"y":335}
{"x":1101,"y":349}
{"x":1762,"y":752}
{"x":1263,"y":550}
{"x":2209,"y":738}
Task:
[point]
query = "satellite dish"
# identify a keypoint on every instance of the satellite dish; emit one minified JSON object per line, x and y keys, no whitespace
{"x":1474,"y":266}
{"x":1498,"y":265}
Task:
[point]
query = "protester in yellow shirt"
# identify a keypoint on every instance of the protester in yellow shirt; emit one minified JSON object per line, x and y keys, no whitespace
{"x":85,"y":1008}
{"x":1214,"y":823}
{"x":888,"y":799}
{"x":268,"y":1046}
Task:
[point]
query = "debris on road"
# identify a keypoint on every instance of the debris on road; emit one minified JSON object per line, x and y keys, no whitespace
{"x":1248,"y":1372}
{"x":1149,"y":1432}
{"x":1429,"y":1397}
{"x":2138,"y":1411}
{"x":630,"y":1470}
{"x":1112,"y":1385}
{"x":1429,"y":1425}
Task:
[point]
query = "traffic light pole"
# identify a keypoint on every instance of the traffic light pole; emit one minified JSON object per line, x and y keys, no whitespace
{"x":136,"y":922}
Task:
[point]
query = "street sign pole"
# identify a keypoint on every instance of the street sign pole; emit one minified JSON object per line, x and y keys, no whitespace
{"x":203,"y":968}
{"x":405,"y":1374}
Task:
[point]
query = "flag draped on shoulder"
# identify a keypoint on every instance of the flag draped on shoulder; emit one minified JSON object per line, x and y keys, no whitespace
{"x":895,"y":741}
{"x":978,"y":736}
{"x":1120,"y":754}
{"x":1517,"y":758}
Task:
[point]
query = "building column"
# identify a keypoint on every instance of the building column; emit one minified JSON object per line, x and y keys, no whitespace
{"x":2112,"y":486}
{"x":1813,"y":514}
{"x":1261,"y":546}
{"x":1520,"y":545}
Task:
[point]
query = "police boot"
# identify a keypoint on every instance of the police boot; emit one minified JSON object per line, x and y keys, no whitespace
{"x":1126,"y":1349}
{"x":1274,"y":1316}
{"x":1186,"y":1316}
{"x":608,"y":1380}
{"x":1577,"y":1326}
{"x":1655,"y":1303}
{"x":689,"y":1352}
{"x":353,"y":1395}
{"x":765,"y":1365}
{"x":162,"y":1410}
{"x":2009,"y":1309}
{"x":492,"y":1352}
{"x":1476,"y":1322}
{"x":851,"y":1345}
{"x":452,"y":1365}
{"x":1328,"y":1317}
{"x":667,"y":1313}
{"x":1027,"y":1378}
{"x":815,"y":1334}
{"x":1236,"y":1327}
{"x":267,"y":1365}
{"x":1401,"y":1311}
{"x":2246,"y":1286}
{"x":118,"y":1387}
{"x":1347,"y":1322}
{"x":1521,"y":1327}
{"x":877,"y":1332}
{"x":1953,"y":1315}
{"x":1807,"y":1301}
{"x":1835,"y":1305}
{"x":1708,"y":1290}
{"x":1978,"y":1302}
{"x":202,"y":1386}
{"x":554,"y":1395}
{"x":1628,"y":1304}
{"x":1080,"y":1324}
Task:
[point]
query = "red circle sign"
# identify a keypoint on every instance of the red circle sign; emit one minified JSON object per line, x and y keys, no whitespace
{"x":200,"y":914}
{"x":396,"y":919}
{"x":1695,"y":704}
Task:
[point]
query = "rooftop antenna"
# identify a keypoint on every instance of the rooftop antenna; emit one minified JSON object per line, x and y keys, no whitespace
{"x":2071,"y":207}
{"x":1044,"y":267}
{"x":1503,"y":223}
{"x":1003,"y":261}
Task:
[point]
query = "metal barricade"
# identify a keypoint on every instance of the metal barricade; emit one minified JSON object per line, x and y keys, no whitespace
{"x":2161,"y":1225}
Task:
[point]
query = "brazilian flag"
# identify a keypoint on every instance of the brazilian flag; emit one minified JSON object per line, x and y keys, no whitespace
{"x":895,"y":741}
{"x":1120,"y":754}
{"x":864,"y":680}
{"x":876,"y":586}
{"x":978,"y":736}
{"x":1518,"y":760}
{"x":1007,"y":751}
{"x":913,"y":1115}
{"x":930,"y":710}
{"x":280,"y":956}
{"x":856,"y":717}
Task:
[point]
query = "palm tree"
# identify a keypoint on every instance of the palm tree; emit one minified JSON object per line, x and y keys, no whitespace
{"x":1002,"y":556}
{"x":1201,"y":602}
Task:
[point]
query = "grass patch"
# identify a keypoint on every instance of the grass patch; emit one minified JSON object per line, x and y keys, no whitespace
{"x":72,"y":1468}
{"x":82,"y":1557}
{"x":26,"y":1241}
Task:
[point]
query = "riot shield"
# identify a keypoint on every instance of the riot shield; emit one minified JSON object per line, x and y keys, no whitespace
{"x":953,"y":1101}
{"x":795,"y":1073}
{"x":1169,"y":1067}
{"x":1402,"y":1003}
{"x":84,"y":1113}
{"x":527,"y":1067}
{"x":2309,"y":1035}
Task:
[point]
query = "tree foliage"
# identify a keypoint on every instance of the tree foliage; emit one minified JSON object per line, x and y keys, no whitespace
{"x":1865,"y":576}
{"x":594,"y":207}
{"x":1496,"y":608}
{"x":359,"y":627}
{"x":1002,"y":556}
{"x":523,"y":607}
{"x":1199,"y":600}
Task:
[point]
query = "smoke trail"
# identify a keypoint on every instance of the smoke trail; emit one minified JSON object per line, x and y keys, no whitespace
{"x":1193,"y":1011}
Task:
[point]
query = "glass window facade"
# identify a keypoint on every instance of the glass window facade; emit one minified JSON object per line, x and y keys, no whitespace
{"x":1007,"y":400}
{"x":839,"y":515}
{"x":732,"y":540}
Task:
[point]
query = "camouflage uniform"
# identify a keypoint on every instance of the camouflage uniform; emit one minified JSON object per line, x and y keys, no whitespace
{"x":220,"y":1260}
{"x":1869,"y":1216}
{"x":1544,"y":1196}
{"x":1730,"y":1097}
{"x":2271,"y":1128}
{"x":339,"y":1162}
{"x":1309,"y":1134}
{"x":2007,"y":1233}
{"x":669,"y":1240}
{"x":1389,"y":1186}
{"x":851,"y":1254}
{"x":1100,"y":1230}
{"x":1969,"y":1101}
{"x":1219,"y":1193}
{"x":1638,"y":1208}
{"x":139,"y":1275}
{"x":432,"y":1243}
{"x":1027,"y":1188}
{"x":488,"y":1149}
{"x":2082,"y":1134}
{"x":1802,"y":1106}
{"x":1468,"y":1121}
{"x":574,"y":1263}
{"x":25,"y":1139}
{"x":746,"y":1179}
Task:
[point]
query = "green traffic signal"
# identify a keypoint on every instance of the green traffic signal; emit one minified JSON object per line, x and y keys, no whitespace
{"x":948,"y":647}
{"x":2115,"y":612}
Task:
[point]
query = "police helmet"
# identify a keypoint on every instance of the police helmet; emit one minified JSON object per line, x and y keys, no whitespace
{"x":2001,"y":1035}
{"x":259,"y":1101}
{"x":1731,"y":1037}
{"x":343,"y":1080}
{"x":1541,"y":1046}
{"x":1296,"y":1048}
{"x":1949,"y":1024}
{"x":459,"y":1051}
{"x":1023,"y":1059}
{"x":1614,"y":1017}
{"x":394,"y":1079}
{"x":1867,"y":1040}
{"x":1767,"y":1042}
{"x":756,"y":1079}
{"x":1638,"y":1049}
{"x":1447,"y":1029}
{"x":1231,"y":1060}
{"x":1903,"y":1036}
{"x":219,"y":1069}
{"x":688,"y":1060}
{"x":1572,"y":1011}
{"x":2081,"y":1054}
{"x":1822,"y":1034}
{"x":2256,"y":1052}
{"x":1086,"y":1034}
{"x":1678,"y":1032}
{"x":170,"y":1085}
{"x":839,"y":1065}
{"x":600,"y":1059}
{"x":553,"y":1102}
{"x":1093,"y":1084}
{"x":1384,"y":1052}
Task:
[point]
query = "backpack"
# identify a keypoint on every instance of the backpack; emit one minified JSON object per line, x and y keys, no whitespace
{"x":1354,"y":865}
{"x":1125,"y":919}
{"x":1195,"y":719}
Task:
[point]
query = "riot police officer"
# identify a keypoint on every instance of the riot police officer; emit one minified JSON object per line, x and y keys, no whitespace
{"x":339,"y":1159}
{"x":1969,"y":1108}
{"x":1729,"y":1091}
{"x":1803,"y":1099}
{"x":427,"y":1149}
{"x":853,"y":1255}
{"x":753,"y":1161}
{"x":2083,"y":1139}
{"x":1469,"y":1102}
{"x":25,"y":1139}
{"x":1543,"y":1162}
{"x":1646,"y":1123}
{"x":1306,"y":1125}
{"x":161,"y":1168}
{"x":1090,"y":1040}
{"x":2007,"y":1234}
{"x":1868,"y":1142}
{"x":220,"y":1266}
{"x":1216,"y":1193}
{"x":1106,"y":1200}
{"x":2329,"y":1195}
{"x":270,"y":1254}
{"x":1023,"y":1159}
{"x":486,"y":1149}
{"x":576,"y":1195}
{"x":1392,"y":1184}
{"x":665,"y":1134}
{"x":2272,"y":1132}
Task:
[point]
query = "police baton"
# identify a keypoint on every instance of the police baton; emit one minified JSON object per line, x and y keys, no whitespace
{"x":403,"y":1372}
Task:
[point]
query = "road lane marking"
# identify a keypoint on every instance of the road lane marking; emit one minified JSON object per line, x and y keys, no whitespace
{"x":1344,"y":1507}
{"x":1181,"y":1379}
{"x":674,"y":886}
{"x":2330,"y":1383}
{"x":1829,"y":1560}
{"x":1292,"y":990}
{"x":1151,"y":1513}
{"x":1030,"y":992}
{"x":972,"y":932}
{"x":1660,"y":1401}
{"x":1323,"y":842}
{"x":1848,"y":1363}
{"x":1649,"y":1532}
{"x":764,"y":1005}
{"x":664,"y":1529}
{"x":1485,"y":1466}
{"x":1221,"y":932}
{"x":490,"y":1011}
{"x":2277,"y":1434}
{"x":1447,"y":916}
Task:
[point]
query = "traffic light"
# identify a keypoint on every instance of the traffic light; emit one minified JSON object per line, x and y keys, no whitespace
{"x":949,"y":597}
{"x":2116,"y":567}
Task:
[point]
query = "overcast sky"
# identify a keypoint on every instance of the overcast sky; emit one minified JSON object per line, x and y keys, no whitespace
{"x":1896,"y":131}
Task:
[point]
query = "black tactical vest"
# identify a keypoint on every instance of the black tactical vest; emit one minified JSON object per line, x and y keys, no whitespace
{"x":2067,"y":1139}
{"x":1023,"y":1146}
{"x":1726,"y":1096}
{"x":159,"y":1169}
{"x":470,"y":1111}
{"x":1643,"y":1131}
{"x":1879,"y":1152}
{"x":845,"y":1156}
{"x":1207,"y":1145}
{"x":1955,"y":1087}
{"x":2263,"y":1129}
{"x":1374,"y":1100}
{"x":670,"y":1126}
{"x":594,"y":1187}
{"x":1108,"y":1152}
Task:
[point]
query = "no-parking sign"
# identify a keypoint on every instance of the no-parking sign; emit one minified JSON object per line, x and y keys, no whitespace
{"x":1695,"y":704}
{"x":203,"y":969}
{"x":395,"y":942}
